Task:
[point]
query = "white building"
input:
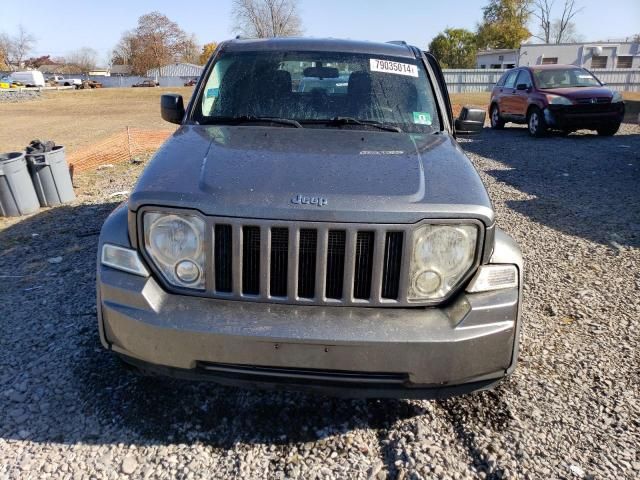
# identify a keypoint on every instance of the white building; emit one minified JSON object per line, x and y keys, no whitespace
{"x":591,"y":55}
{"x":498,"y":58}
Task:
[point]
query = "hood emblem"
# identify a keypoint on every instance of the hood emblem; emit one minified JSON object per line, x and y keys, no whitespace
{"x":594,"y":100}
{"x":306,"y":200}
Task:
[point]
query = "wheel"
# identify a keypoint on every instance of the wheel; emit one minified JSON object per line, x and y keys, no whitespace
{"x":536,"y":123}
{"x":496,"y":122}
{"x":609,"y":130}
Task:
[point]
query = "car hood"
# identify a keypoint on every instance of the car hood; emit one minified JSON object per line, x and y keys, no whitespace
{"x":576,"y":93}
{"x":362,"y":176}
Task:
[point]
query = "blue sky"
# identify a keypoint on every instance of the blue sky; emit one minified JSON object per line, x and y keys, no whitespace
{"x":63,"y":26}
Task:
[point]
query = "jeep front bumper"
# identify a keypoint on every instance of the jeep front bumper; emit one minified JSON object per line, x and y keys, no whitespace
{"x":468,"y":344}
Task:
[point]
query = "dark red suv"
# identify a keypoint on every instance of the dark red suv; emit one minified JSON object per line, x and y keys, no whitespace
{"x":559,"y":97}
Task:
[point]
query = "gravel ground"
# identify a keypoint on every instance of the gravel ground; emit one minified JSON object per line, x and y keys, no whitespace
{"x":17,"y":96}
{"x":69,"y":410}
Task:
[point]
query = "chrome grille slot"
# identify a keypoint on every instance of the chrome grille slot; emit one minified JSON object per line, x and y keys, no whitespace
{"x":307,"y":263}
{"x":363,"y":265}
{"x":279,"y":261}
{"x":392,"y":264}
{"x":251,"y":260}
{"x":335,"y":263}
{"x":222,"y":257}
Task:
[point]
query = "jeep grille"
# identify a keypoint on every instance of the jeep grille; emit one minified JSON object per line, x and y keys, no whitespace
{"x":308,"y":262}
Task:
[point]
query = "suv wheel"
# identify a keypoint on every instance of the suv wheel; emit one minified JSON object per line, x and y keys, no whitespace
{"x":536,"y":123}
{"x":496,"y":122}
{"x":609,"y":130}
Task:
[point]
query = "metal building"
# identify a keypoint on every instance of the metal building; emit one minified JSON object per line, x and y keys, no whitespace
{"x":176,"y":70}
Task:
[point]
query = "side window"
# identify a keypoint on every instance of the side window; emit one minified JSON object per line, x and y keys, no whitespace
{"x":212,"y":88}
{"x":524,"y":77}
{"x":510,"y":81}
{"x":502,"y":78}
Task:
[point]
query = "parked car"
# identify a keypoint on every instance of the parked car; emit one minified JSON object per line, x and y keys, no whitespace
{"x":6,"y":82}
{"x":347,"y":245}
{"x":146,"y":83}
{"x":90,"y":84}
{"x":65,"y":82}
{"x":191,"y":82}
{"x":30,"y":78}
{"x":559,"y":97}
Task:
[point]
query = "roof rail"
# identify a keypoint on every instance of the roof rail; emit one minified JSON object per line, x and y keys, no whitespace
{"x":397,"y":42}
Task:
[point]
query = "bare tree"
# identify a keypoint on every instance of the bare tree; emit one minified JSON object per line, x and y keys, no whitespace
{"x":190,"y":50}
{"x":84,"y":58}
{"x":123,"y":52}
{"x":542,"y":11}
{"x":5,"y":49}
{"x":567,"y":35}
{"x":154,"y":43}
{"x":22,"y":43}
{"x":558,"y":30}
{"x":267,"y":18}
{"x":569,"y":11}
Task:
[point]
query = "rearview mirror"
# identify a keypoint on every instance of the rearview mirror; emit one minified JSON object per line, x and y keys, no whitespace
{"x":321,"y":72}
{"x":470,"y":121}
{"x":172,"y":108}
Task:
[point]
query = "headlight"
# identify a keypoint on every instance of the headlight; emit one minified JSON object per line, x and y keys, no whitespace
{"x":617,"y":97}
{"x":442,"y":255}
{"x":175,"y":244}
{"x":558,"y":100}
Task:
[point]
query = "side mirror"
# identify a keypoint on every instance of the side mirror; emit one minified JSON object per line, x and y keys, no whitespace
{"x":172,"y":108}
{"x":470,"y":121}
{"x":522,"y":86}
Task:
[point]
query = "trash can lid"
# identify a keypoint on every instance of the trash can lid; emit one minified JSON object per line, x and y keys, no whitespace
{"x":10,"y":157}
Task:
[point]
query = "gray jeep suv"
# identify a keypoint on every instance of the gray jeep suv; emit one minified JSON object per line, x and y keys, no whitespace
{"x":326,"y":238}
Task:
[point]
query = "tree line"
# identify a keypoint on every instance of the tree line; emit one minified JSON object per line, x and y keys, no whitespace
{"x":157,"y":40}
{"x":505,"y":24}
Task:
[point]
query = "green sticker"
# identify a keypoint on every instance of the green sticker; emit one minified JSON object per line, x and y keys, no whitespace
{"x":422,"y":118}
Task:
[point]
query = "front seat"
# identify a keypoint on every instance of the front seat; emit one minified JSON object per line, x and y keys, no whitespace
{"x":359,"y":95}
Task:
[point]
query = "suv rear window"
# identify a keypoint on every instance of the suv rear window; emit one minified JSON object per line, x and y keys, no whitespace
{"x":314,"y":86}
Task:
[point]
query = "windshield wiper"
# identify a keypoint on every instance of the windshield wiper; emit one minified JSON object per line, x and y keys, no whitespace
{"x":354,"y":121}
{"x":253,"y":119}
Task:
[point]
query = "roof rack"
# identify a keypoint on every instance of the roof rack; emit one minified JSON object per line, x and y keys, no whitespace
{"x":397,"y":42}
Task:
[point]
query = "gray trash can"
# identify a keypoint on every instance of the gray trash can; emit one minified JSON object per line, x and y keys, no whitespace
{"x":17,"y":195}
{"x":50,"y":175}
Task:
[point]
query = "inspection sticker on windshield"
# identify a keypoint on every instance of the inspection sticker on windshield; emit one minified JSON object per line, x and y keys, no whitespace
{"x":387,"y":66}
{"x":422,"y":118}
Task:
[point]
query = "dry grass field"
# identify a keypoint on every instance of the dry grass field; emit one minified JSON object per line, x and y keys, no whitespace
{"x":77,"y":118}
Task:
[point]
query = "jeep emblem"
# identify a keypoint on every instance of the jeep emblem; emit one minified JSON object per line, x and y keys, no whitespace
{"x":304,"y":200}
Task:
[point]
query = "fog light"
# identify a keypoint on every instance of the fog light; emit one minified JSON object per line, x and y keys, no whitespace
{"x":427,"y":282}
{"x":187,"y":271}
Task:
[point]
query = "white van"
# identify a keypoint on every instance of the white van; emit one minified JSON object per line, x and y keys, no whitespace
{"x":31,"y":78}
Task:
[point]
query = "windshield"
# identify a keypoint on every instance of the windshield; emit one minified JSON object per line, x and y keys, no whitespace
{"x":565,"y":78}
{"x":320,"y":90}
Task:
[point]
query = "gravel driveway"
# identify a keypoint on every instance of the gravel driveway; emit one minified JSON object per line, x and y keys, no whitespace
{"x":571,"y":410}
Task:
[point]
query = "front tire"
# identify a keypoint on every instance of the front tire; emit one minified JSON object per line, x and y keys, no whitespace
{"x":536,"y":123}
{"x":609,"y":130}
{"x":496,"y":122}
